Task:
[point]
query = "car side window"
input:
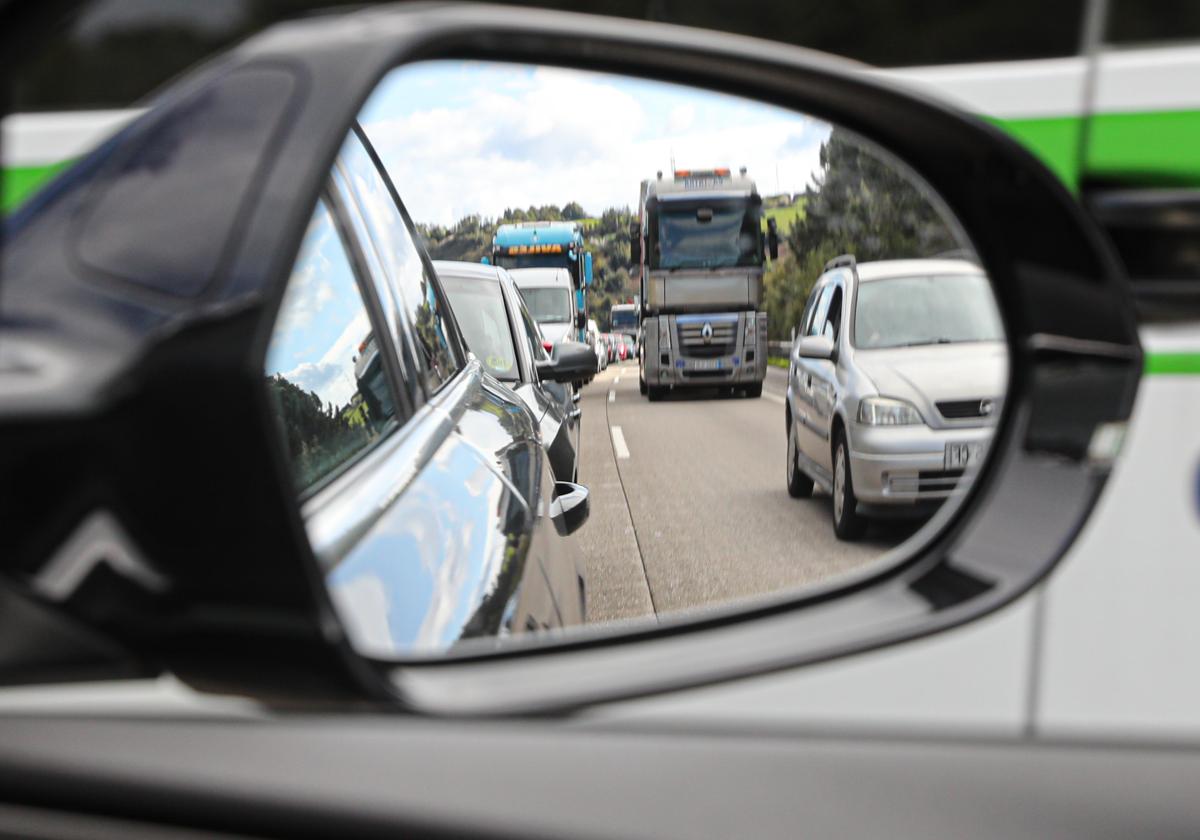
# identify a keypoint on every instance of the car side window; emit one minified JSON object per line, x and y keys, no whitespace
{"x":437,"y":342}
{"x":817,"y":322}
{"x":833,"y":317}
{"x":806,"y":316}
{"x":328,"y":387}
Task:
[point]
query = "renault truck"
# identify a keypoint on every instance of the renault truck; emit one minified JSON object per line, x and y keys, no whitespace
{"x":698,"y":248}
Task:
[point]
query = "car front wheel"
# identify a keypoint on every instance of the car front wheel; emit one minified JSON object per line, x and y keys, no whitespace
{"x":848,"y":524}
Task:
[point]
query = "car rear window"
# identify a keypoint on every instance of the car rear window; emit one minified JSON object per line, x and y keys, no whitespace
{"x":478,"y":306}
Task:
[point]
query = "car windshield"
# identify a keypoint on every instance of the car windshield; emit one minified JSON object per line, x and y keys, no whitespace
{"x":939,"y":309}
{"x":624,"y":318}
{"x":550,"y":305}
{"x":707,"y":236}
{"x":479,"y":308}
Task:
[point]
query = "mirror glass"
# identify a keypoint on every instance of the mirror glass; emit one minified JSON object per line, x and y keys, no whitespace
{"x":798,"y":359}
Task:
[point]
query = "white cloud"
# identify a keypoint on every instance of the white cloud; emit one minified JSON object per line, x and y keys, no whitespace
{"x":332,"y":377}
{"x":555,"y":136}
{"x":681,"y":118}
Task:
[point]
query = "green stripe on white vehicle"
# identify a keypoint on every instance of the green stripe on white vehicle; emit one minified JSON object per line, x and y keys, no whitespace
{"x":37,"y":147}
{"x":1122,"y":112}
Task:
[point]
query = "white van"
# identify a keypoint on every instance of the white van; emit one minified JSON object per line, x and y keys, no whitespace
{"x":550,"y":298}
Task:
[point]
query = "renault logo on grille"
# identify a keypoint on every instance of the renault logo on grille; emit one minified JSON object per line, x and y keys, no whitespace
{"x":985,"y":408}
{"x":706,"y":332}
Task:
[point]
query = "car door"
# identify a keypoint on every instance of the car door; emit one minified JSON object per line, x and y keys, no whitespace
{"x":808,"y":440}
{"x":556,"y":404}
{"x":438,"y":538}
{"x":824,"y":373}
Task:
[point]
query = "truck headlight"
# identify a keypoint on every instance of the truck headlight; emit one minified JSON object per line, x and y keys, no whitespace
{"x":882,"y":411}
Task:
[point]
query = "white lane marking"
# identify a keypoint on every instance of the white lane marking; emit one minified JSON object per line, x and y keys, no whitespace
{"x":774,"y":398}
{"x":617,"y":381}
{"x":619,"y":442}
{"x":612,"y":396}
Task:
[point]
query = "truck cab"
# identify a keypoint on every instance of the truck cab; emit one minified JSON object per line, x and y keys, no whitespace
{"x":701,"y":250}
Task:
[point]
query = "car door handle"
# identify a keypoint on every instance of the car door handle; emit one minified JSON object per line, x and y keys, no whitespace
{"x":574,"y":415}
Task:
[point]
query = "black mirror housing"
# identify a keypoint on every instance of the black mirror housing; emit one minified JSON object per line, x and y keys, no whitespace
{"x":571,"y":361}
{"x":570,"y":508}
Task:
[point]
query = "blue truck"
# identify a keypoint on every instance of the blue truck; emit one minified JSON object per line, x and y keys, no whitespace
{"x":548,"y":245}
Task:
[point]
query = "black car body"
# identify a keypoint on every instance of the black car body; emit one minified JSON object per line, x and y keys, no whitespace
{"x":555,"y":404}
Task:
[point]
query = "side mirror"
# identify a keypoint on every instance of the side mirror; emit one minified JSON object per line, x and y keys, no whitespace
{"x":580,"y":320}
{"x":570,"y":507}
{"x":587,"y":268}
{"x":635,"y":243}
{"x":570,"y":361}
{"x":772,"y":239}
{"x":815,"y":347}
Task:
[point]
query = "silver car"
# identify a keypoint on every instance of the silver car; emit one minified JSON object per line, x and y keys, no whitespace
{"x":895,"y":381}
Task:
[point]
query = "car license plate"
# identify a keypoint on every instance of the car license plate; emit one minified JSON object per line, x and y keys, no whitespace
{"x":959,"y":456}
{"x":707,"y":364}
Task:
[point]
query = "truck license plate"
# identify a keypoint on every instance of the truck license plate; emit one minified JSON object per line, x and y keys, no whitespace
{"x":959,"y":456}
{"x":707,"y":364}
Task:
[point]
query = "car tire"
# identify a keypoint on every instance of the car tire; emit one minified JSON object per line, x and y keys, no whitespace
{"x":642,"y":385}
{"x":655,"y":392}
{"x":799,"y":485}
{"x":753,"y":391}
{"x":848,"y":524}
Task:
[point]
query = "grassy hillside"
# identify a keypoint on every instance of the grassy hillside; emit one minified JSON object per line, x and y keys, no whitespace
{"x":784,"y":210}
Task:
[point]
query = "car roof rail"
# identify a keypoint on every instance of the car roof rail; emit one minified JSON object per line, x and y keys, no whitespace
{"x":957,"y":254}
{"x":842,"y":261}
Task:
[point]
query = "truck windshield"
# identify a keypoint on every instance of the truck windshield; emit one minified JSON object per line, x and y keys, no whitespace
{"x":712,"y":235}
{"x":534,"y":261}
{"x":911,"y":311}
{"x":548,"y":305}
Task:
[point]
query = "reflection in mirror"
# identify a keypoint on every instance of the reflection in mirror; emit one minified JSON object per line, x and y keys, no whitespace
{"x":799,"y":358}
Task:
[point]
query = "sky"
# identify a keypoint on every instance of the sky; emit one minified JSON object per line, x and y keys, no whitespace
{"x":322,"y":319}
{"x":463,"y":137}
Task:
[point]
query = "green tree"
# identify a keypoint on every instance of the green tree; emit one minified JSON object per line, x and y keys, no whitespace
{"x":858,"y":204}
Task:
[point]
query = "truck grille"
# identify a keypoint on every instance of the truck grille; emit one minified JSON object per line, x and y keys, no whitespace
{"x":968,"y":409}
{"x":723,"y":341}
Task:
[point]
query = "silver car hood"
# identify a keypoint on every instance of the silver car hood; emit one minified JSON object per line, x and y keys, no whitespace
{"x":935,"y":372}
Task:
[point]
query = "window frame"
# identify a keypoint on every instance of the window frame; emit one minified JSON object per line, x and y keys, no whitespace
{"x":454,"y":337}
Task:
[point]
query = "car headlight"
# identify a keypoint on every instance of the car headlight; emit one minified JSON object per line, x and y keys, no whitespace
{"x":882,"y":411}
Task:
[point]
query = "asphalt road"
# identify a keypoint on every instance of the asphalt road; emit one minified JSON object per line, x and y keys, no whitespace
{"x":689,"y":504}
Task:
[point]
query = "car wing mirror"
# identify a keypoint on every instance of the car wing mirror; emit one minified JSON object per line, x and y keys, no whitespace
{"x":815,"y":347}
{"x":570,"y":361}
{"x":241,"y":606}
{"x":570,"y":508}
